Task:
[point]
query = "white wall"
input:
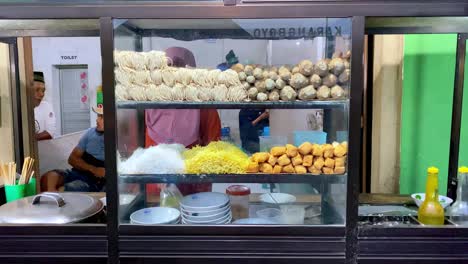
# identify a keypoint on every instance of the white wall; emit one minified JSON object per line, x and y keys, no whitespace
{"x":47,"y":54}
{"x":6,"y":118}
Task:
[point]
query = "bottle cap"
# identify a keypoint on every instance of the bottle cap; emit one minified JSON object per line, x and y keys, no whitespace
{"x":225,"y":131}
{"x":237,"y":190}
{"x":463,"y":169}
{"x":266,"y":131}
{"x":432,"y":170}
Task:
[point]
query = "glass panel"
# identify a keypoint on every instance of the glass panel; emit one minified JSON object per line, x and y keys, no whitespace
{"x":96,"y":2}
{"x":65,"y":95}
{"x":411,"y":122}
{"x":207,"y":105}
{"x":6,"y":119}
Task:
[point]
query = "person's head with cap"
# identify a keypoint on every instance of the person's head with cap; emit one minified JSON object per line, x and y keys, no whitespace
{"x":100,"y":117}
{"x":39,"y":87}
{"x":231,"y":58}
{"x":181,"y":57}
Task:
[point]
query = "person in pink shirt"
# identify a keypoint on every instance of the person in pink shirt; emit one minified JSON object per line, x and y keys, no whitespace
{"x":189,"y":127}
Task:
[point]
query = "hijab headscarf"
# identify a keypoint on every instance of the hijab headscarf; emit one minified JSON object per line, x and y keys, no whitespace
{"x":169,"y":126}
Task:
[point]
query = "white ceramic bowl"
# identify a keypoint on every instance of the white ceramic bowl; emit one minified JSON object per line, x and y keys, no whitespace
{"x":202,"y":202}
{"x":221,"y":220}
{"x":280,"y":198}
{"x":419,"y":198}
{"x":155,"y":215}
{"x":207,"y":217}
{"x":124,"y":199}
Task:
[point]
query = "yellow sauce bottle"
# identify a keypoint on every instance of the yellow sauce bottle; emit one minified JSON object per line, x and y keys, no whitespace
{"x":431,"y":212}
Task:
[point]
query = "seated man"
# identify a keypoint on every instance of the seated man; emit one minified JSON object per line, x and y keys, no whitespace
{"x":87,"y":161}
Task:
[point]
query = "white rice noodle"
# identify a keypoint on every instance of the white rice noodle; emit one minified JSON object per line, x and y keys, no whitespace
{"x":213,"y":77}
{"x":184,"y":76}
{"x":152,"y":92}
{"x":205,"y":94}
{"x":137,"y":92}
{"x":220,"y":93}
{"x":178,"y":92}
{"x":236,"y":94}
{"x":142,"y":78}
{"x":156,"y":77}
{"x":124,"y":76}
{"x":122,"y":58}
{"x":192,"y":94}
{"x":121,"y":93}
{"x":232,"y":78}
{"x":158,"y":159}
{"x":168,"y":76}
{"x":200,"y":77}
{"x":155,"y":60}
{"x":164,"y":93}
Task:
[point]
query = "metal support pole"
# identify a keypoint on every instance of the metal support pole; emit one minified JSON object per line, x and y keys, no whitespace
{"x":457,"y":107}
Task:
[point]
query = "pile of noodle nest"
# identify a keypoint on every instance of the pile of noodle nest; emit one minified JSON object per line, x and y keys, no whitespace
{"x":146,"y":76}
{"x":217,"y":158}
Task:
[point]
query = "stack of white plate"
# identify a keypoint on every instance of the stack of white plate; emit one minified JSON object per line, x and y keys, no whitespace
{"x":208,"y":208}
{"x":155,"y":216}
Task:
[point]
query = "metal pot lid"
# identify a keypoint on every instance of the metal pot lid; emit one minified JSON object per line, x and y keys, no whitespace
{"x":50,"y":208}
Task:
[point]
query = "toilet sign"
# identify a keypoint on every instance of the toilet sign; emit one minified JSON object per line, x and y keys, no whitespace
{"x":68,"y":56}
{"x":65,"y":57}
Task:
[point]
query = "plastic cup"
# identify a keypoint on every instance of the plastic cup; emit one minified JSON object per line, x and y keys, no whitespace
{"x":293,"y":214}
{"x":271,"y":214}
{"x":15,"y":192}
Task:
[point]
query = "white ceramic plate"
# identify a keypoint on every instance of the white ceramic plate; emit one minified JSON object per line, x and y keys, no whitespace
{"x":419,"y":198}
{"x":280,"y":198}
{"x":178,"y":221}
{"x":124,"y":199}
{"x":222,"y":219}
{"x":155,"y":215}
{"x":205,"y":213}
{"x":202,"y":202}
{"x":226,"y":221}
{"x":207,"y":217}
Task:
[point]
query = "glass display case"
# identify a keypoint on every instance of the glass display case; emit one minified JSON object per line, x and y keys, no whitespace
{"x":233,"y":134}
{"x":214,"y":112}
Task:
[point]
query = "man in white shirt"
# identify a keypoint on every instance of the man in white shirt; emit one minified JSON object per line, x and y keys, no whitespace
{"x":43,"y":113}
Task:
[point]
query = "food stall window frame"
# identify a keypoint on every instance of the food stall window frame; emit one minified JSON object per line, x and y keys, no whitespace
{"x":106,"y":12}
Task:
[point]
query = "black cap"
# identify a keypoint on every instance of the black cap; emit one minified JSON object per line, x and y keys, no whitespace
{"x":231,"y":58}
{"x":39,"y":77}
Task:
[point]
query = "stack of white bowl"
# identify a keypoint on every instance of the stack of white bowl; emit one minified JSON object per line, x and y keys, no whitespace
{"x":155,"y":216}
{"x":207,"y":208}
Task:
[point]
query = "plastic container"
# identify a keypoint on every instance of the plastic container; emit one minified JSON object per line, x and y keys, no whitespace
{"x":267,"y":142}
{"x":271,"y":214}
{"x":15,"y":192}
{"x":458,"y":212}
{"x":239,"y":199}
{"x":170,"y":196}
{"x":293,"y":214}
{"x":226,"y":134}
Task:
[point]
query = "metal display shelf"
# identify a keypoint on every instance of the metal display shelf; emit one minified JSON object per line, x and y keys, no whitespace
{"x":231,"y":105}
{"x":232,"y":178}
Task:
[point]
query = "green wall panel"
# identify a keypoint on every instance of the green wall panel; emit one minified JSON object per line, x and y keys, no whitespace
{"x":428,"y":78}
